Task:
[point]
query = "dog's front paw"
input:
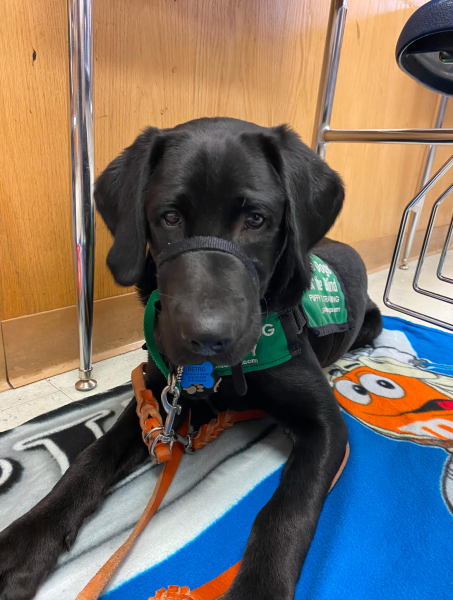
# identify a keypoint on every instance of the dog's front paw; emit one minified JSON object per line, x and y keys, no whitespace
{"x":29,"y":549}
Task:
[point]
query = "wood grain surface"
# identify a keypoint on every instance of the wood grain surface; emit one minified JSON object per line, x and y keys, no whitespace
{"x":161,"y":62}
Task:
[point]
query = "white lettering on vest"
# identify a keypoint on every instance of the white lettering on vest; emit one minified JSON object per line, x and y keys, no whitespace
{"x":268,"y":329}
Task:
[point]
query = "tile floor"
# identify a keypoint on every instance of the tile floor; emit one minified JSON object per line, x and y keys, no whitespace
{"x":22,"y":404}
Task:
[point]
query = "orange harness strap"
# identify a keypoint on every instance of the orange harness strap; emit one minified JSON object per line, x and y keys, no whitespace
{"x":148,"y":412}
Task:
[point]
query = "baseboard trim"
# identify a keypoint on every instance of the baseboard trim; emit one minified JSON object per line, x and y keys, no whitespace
{"x":46,"y":344}
{"x":377,"y":253}
{"x":4,"y":385}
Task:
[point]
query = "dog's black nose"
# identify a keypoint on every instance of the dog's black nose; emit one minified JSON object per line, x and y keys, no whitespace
{"x":208,"y":347}
{"x":208,"y":334}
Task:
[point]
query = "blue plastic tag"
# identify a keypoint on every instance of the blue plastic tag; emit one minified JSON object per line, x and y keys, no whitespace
{"x":198,"y":375}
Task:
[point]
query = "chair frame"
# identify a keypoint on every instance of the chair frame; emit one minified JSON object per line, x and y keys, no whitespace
{"x":324,"y":135}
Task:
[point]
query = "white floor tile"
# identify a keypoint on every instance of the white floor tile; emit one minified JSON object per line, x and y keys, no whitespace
{"x":108,"y":373}
{"x":27,"y":393}
{"x":403,"y":294}
{"x":19,"y":414}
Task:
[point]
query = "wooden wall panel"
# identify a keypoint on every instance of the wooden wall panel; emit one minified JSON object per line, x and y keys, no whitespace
{"x":35,"y":266}
{"x":35,"y":206}
{"x":377,"y":253}
{"x":161,"y":62}
{"x":157,"y":62}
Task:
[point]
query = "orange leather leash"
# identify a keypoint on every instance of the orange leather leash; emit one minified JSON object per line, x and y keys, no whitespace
{"x":170,"y":455}
{"x":217,"y":587}
{"x":94,"y":589}
{"x":209,"y":591}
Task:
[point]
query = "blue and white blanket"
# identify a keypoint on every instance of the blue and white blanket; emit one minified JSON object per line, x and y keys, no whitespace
{"x":386,"y":530}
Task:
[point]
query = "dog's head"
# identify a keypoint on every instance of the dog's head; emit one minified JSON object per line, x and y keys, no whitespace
{"x":258,"y":187}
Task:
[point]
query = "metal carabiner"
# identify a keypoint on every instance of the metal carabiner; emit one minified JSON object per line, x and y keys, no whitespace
{"x":172,"y":409}
{"x":165,"y":403}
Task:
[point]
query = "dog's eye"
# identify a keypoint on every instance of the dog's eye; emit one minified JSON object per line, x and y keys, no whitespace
{"x":172,"y":218}
{"x":254,"y":221}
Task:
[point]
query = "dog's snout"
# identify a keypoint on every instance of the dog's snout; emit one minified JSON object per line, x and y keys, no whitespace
{"x":207,"y":334}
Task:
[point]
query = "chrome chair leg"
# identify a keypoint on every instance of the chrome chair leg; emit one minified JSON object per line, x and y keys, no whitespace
{"x":425,"y":178}
{"x":397,"y":251}
{"x":80,"y":23}
{"x":422,"y":256}
{"x":443,"y":256}
{"x":334,"y":42}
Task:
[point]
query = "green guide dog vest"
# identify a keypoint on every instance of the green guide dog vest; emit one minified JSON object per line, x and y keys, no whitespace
{"x":323,"y":310}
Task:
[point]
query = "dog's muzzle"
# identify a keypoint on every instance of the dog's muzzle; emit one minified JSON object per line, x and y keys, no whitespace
{"x":200,"y":243}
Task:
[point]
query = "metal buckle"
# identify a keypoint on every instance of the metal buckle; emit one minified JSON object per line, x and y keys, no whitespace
{"x":151,"y":431}
{"x":171,"y":439}
{"x":185,"y":441}
{"x":161,"y":438}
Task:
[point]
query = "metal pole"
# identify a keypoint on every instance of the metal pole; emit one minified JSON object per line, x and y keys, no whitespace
{"x":389,"y":136}
{"x":334,"y":41}
{"x":399,"y":242}
{"x":80,"y":21}
{"x":425,"y":178}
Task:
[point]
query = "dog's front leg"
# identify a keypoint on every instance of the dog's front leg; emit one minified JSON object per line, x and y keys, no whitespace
{"x":299,"y":396}
{"x":30,"y":546}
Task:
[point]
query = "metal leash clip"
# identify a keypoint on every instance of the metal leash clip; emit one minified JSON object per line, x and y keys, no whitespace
{"x":167,"y":435}
{"x":172,"y":409}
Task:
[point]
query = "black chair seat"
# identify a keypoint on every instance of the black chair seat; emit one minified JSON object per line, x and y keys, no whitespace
{"x":425,"y":46}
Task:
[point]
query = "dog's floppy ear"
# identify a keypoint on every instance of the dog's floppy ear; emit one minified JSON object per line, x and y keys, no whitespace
{"x":314,"y":197}
{"x":120,"y":198}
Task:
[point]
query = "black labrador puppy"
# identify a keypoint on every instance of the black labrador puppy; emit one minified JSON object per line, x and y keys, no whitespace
{"x":270,"y":195}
